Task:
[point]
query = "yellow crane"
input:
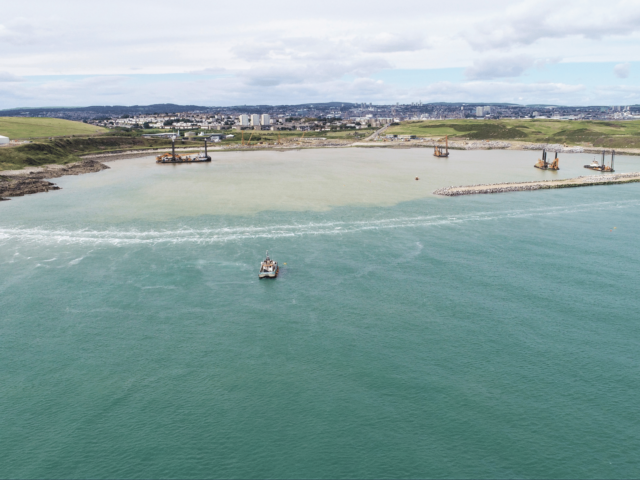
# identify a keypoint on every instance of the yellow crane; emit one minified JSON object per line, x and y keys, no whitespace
{"x":438,"y":152}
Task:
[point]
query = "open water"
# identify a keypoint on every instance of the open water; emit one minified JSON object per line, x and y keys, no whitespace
{"x":407,"y":336}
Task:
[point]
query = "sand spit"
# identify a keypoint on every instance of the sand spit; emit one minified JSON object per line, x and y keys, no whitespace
{"x":584,"y":181}
{"x":16,"y":183}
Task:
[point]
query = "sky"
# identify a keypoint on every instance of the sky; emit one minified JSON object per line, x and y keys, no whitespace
{"x":81,"y":53}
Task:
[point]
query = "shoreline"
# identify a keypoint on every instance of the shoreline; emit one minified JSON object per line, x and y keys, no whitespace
{"x":400,"y":144}
{"x":15,"y":183}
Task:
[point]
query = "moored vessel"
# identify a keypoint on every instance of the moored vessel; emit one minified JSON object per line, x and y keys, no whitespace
{"x":439,"y":152}
{"x":601,"y":167}
{"x":544,"y":165}
{"x":268,"y":268}
{"x":173,"y":158}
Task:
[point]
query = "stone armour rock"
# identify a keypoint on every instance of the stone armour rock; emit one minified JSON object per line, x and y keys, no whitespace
{"x":34,"y":182}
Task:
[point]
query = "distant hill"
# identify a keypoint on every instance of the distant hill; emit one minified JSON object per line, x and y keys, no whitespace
{"x":100,"y":110}
{"x":104,"y":109}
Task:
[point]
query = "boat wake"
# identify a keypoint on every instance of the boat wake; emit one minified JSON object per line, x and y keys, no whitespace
{"x":228,"y":234}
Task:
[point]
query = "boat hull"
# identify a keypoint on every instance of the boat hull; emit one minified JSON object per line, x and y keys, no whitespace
{"x":262,"y":275}
{"x":184,"y":161}
{"x":599,"y":169}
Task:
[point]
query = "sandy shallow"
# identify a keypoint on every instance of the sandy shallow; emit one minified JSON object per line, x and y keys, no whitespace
{"x":247,"y":183}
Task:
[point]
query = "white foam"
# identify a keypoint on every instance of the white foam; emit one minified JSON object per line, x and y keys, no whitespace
{"x":226,"y":234}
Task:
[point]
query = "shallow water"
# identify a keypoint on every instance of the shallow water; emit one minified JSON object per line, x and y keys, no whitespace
{"x":408,"y":335}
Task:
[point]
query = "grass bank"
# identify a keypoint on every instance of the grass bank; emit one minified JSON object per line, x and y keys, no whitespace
{"x":26,"y":128}
{"x":269,"y":136}
{"x":67,"y":150}
{"x":622,"y":134}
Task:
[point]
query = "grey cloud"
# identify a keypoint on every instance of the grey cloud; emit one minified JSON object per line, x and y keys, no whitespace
{"x":499,"y":67}
{"x":390,"y":43}
{"x":254,"y":51}
{"x":527,"y":22}
{"x":314,"y":73}
{"x":621,"y":70}
{"x":210,"y":71}
{"x":23,"y":32}
{"x":541,"y":63}
{"x":500,"y":91}
{"x":103,"y":85}
{"x":233,"y":91}
{"x":293,"y":48}
{"x":6,"y":77}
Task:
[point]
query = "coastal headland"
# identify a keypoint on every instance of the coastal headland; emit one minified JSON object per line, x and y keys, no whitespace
{"x":16,"y":183}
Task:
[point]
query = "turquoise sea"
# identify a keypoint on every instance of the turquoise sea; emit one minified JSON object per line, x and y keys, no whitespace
{"x":407,"y":336}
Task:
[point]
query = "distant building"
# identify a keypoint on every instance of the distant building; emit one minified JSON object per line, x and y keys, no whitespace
{"x":265,"y":120}
{"x":486,"y":110}
{"x":255,"y":120}
{"x":161,"y":135}
{"x":243,"y":120}
{"x":4,"y":140}
{"x":479,"y":112}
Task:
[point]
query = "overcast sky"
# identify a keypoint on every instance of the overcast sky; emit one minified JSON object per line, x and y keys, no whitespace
{"x":78,"y":53}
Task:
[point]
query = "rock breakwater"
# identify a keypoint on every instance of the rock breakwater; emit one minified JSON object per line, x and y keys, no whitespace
{"x":584,"y":181}
{"x":16,"y":183}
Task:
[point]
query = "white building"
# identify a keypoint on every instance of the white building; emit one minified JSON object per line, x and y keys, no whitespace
{"x":4,"y":140}
{"x":265,"y":119}
{"x":486,"y":110}
{"x":479,"y":112}
{"x":243,"y":120}
{"x":255,"y":120}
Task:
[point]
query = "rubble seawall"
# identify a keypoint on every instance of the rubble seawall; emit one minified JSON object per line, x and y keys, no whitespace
{"x":505,"y":187}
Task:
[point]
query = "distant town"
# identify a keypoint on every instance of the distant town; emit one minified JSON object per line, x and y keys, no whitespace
{"x":313,"y":117}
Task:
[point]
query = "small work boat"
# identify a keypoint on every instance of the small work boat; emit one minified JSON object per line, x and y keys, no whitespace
{"x":268,"y":268}
{"x":601,"y":166}
{"x":595,"y":165}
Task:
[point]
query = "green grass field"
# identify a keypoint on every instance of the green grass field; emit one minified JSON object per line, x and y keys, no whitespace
{"x":586,"y":133}
{"x":287,"y":136}
{"x":24,"y":128}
